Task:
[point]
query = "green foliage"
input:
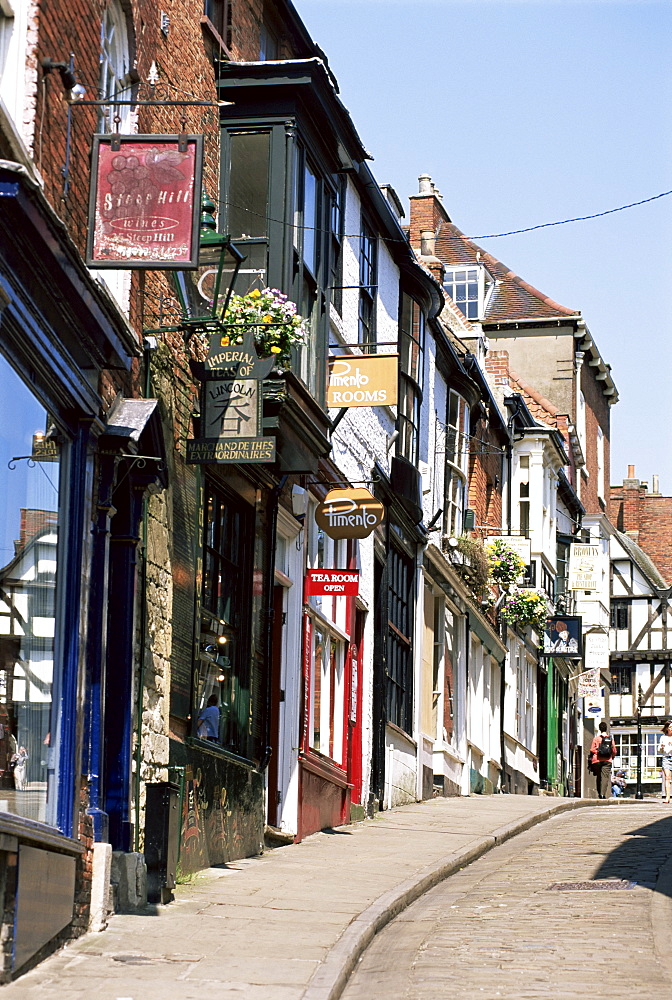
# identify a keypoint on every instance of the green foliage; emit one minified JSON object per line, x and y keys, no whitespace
{"x":474,"y":569}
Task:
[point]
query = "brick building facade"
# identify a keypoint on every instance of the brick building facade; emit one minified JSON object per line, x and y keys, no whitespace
{"x":646,"y":516}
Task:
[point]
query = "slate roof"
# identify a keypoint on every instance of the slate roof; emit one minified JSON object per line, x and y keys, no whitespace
{"x":645,"y":563}
{"x":513,"y":298}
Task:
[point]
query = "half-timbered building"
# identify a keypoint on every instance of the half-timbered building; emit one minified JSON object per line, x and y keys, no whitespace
{"x":641,"y":651}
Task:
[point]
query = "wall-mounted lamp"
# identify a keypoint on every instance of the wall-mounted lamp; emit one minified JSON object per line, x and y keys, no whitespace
{"x":66,"y":71}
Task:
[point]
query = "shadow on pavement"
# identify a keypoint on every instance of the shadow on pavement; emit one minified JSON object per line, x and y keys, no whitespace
{"x":642,"y":856}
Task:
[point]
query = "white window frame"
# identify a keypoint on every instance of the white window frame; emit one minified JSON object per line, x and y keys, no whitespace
{"x":484,"y":281}
{"x":328,"y":618}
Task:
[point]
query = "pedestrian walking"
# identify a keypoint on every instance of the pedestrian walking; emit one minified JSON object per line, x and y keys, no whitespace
{"x":665,"y":748}
{"x":602,"y":752}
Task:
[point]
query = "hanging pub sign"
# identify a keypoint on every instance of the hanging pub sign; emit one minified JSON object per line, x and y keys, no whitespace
{"x":331,"y":583}
{"x":144,"y":202}
{"x":231,"y":404}
{"x":349,"y":513}
{"x":562,"y":636}
{"x":583,"y":567}
{"x":363,"y":380}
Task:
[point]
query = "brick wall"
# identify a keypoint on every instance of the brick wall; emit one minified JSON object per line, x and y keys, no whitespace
{"x":647,"y":518}
{"x":597,"y":415}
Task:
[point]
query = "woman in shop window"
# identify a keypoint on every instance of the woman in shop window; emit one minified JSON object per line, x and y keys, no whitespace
{"x":665,"y":748}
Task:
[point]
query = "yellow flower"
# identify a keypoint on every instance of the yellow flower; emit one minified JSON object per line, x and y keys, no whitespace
{"x":276,"y":350}
{"x":267,"y":319}
{"x":225,"y":341}
{"x":255,"y":294}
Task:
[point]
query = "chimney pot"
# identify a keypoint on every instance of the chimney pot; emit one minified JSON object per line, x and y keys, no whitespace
{"x":425,"y":182}
{"x":427,"y":242}
{"x":631,"y":472}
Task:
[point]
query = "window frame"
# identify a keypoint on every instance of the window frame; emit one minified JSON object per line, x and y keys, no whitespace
{"x":400,"y":629}
{"x":368,"y":286}
{"x":484,"y":284}
{"x":456,"y":473}
{"x":411,"y":341}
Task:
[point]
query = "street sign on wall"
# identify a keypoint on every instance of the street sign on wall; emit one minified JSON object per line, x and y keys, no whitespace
{"x":363,"y":380}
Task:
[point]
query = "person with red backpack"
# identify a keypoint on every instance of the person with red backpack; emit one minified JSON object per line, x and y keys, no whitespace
{"x":602,"y":752}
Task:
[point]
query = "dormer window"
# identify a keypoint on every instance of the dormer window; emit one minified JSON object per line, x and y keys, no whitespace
{"x":469,"y":288}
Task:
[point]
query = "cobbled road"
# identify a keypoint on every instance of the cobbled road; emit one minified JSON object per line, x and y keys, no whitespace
{"x":498,"y":928}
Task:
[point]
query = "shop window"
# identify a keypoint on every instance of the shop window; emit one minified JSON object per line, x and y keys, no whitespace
{"x":30,"y":502}
{"x":224,"y":651}
{"x":327,"y":641}
{"x":399,"y":671}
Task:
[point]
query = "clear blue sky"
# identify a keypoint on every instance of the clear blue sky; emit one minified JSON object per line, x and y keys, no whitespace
{"x":532,"y":112}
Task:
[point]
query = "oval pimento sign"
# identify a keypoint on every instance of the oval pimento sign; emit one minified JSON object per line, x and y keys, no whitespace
{"x":351,"y":513}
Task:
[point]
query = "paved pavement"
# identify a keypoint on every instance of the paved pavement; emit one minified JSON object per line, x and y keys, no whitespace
{"x":293,"y":923}
{"x":499,"y":928}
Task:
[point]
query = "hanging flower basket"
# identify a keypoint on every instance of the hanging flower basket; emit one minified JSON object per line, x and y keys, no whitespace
{"x":527,"y":608}
{"x":473,"y":564}
{"x":505,"y":565}
{"x":271,"y":318}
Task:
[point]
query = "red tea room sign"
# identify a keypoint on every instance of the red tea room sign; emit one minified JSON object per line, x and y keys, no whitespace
{"x":144,"y":203}
{"x":331,"y":583}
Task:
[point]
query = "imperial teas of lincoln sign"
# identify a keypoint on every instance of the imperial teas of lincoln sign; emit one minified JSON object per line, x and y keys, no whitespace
{"x":231,"y":404}
{"x":144,"y":204}
{"x":351,"y":513}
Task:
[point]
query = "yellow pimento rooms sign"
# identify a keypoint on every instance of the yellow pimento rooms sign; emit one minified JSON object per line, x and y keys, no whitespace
{"x":362,"y":380}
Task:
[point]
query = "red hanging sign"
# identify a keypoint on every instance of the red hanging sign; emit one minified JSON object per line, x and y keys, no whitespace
{"x":331,"y":583}
{"x":144,"y":203}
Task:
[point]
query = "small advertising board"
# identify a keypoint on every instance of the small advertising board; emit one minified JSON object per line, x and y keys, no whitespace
{"x":349,"y":513}
{"x":363,"y":380}
{"x":331,"y":583}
